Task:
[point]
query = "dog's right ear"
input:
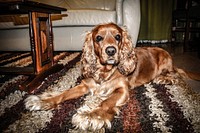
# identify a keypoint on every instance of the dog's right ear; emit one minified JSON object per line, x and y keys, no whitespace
{"x":88,"y":58}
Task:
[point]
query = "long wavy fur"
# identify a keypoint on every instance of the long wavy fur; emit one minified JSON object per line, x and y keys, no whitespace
{"x":128,"y":58}
{"x":88,"y":58}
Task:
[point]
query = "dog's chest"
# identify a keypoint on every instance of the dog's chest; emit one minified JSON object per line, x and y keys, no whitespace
{"x":100,"y":89}
{"x":103,"y":74}
{"x":105,"y":87}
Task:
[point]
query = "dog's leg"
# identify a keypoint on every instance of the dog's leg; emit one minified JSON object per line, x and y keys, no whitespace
{"x":167,"y":77}
{"x":105,"y":112}
{"x":48,"y":101}
{"x":109,"y":107}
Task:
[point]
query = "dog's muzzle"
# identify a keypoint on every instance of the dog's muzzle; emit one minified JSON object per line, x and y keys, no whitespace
{"x":111,"y":51}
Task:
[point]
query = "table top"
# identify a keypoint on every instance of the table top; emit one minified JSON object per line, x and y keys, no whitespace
{"x":25,"y":6}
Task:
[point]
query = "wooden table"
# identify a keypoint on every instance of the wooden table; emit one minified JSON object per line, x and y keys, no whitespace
{"x":40,"y":32}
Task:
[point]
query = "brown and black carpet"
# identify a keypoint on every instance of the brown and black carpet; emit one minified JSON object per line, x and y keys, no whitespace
{"x":152,"y":107}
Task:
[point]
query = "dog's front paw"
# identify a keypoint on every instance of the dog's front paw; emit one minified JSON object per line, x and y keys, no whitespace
{"x":34,"y":102}
{"x":92,"y":121}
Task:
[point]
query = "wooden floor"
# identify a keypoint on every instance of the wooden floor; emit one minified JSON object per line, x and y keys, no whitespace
{"x":187,"y":60}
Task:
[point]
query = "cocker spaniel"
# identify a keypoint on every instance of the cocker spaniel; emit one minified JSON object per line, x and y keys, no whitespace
{"x":111,"y":66}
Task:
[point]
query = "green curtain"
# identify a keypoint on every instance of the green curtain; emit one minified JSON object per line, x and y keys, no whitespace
{"x":156,"y":16}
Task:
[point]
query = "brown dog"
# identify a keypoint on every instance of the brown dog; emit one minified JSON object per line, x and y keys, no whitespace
{"x":110,"y":67}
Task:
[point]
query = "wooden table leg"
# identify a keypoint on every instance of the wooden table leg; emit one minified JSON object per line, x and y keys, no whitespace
{"x":41,"y":40}
{"x":34,"y":81}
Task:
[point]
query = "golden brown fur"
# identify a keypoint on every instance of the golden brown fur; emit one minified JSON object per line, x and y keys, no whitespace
{"x":110,"y":67}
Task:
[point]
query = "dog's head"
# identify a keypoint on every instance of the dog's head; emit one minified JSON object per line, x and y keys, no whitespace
{"x":110,"y":44}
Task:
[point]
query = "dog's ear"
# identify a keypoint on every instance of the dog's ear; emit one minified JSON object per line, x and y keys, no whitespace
{"x":128,"y":58}
{"x":88,"y":58}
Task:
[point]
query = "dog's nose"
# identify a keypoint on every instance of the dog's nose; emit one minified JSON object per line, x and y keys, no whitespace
{"x":110,"y":50}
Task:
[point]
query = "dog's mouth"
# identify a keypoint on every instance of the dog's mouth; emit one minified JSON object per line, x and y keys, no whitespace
{"x":111,"y":62}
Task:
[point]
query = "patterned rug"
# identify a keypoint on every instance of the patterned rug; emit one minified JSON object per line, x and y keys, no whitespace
{"x":152,"y":107}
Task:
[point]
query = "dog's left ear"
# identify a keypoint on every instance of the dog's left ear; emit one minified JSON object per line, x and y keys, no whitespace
{"x":128,"y":58}
{"x":88,"y":58}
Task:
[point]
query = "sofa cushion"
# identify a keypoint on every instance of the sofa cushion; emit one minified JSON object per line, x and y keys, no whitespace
{"x":75,"y":18}
{"x":10,"y":25}
{"x":86,"y":17}
{"x":82,"y":4}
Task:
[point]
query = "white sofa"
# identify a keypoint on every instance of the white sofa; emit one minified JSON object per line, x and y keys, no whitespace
{"x":83,"y":15}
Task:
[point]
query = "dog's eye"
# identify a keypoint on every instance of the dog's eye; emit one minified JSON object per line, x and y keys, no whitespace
{"x":99,"y":38}
{"x":118,"y":37}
